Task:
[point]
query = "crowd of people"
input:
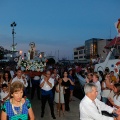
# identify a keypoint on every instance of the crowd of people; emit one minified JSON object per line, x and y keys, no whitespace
{"x":102,"y":93}
{"x":14,"y":102}
{"x":56,"y":85}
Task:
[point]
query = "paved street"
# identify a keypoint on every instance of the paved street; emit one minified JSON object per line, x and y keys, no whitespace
{"x":72,"y":115}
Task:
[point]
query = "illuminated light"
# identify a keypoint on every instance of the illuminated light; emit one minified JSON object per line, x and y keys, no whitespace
{"x":40,"y":56}
{"x":20,"y":52}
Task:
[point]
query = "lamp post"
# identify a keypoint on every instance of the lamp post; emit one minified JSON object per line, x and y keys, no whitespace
{"x":13,"y":32}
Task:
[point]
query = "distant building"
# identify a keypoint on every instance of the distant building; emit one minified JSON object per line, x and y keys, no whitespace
{"x":102,"y":52}
{"x":96,"y":46}
{"x":91,"y":47}
{"x":79,"y":53}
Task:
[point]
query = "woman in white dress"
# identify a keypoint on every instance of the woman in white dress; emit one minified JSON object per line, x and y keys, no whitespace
{"x":59,"y":95}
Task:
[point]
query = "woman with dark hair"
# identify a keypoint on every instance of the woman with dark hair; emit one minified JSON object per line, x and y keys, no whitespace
{"x":70,"y":72}
{"x":66,"y":82}
{"x":6,"y":78}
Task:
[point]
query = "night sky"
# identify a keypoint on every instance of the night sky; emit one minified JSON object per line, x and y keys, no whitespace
{"x":57,"y":24}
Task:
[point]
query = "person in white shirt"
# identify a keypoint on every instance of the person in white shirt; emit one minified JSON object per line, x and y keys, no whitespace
{"x":97,"y":83}
{"x":90,"y":107}
{"x":55,"y":76}
{"x":4,"y":93}
{"x":46,"y":85}
{"x":20,"y":77}
{"x":106,"y":88}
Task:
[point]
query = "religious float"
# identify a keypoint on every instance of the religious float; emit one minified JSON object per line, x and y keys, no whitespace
{"x":34,"y":63}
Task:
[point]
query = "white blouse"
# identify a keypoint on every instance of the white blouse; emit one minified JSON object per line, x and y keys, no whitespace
{"x":98,"y":89}
{"x":105,"y":93}
{"x":116,"y":100}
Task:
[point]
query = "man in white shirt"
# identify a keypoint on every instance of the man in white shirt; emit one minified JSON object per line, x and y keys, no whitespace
{"x":46,"y":85}
{"x":20,"y":77}
{"x":90,"y":107}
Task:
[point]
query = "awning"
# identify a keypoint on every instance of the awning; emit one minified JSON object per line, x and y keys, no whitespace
{"x":114,"y":42}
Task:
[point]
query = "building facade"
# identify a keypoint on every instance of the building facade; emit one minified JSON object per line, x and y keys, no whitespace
{"x":92,"y":48}
{"x":96,"y":46}
{"x":102,"y":51}
{"x":79,"y":53}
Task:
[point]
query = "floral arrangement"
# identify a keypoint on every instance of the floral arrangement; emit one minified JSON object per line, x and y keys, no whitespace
{"x":33,"y":65}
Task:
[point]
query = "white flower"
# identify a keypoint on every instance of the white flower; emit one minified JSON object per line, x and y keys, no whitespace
{"x":32,"y":65}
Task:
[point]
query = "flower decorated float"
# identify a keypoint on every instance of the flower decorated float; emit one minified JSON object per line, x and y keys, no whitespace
{"x":33,"y":63}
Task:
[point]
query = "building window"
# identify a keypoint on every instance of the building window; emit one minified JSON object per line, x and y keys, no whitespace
{"x":75,"y":53}
{"x":81,"y":56}
{"x":75,"y":57}
{"x":81,"y":52}
{"x":91,"y":48}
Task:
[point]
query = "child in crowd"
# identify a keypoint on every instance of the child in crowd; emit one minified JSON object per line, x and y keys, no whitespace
{"x":59,"y":95}
{"x":4,"y":93}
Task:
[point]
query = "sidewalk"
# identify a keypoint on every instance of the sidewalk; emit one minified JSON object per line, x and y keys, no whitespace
{"x":72,"y":115}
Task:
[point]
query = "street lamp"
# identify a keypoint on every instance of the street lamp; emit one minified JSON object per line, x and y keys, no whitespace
{"x":13,"y":32}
